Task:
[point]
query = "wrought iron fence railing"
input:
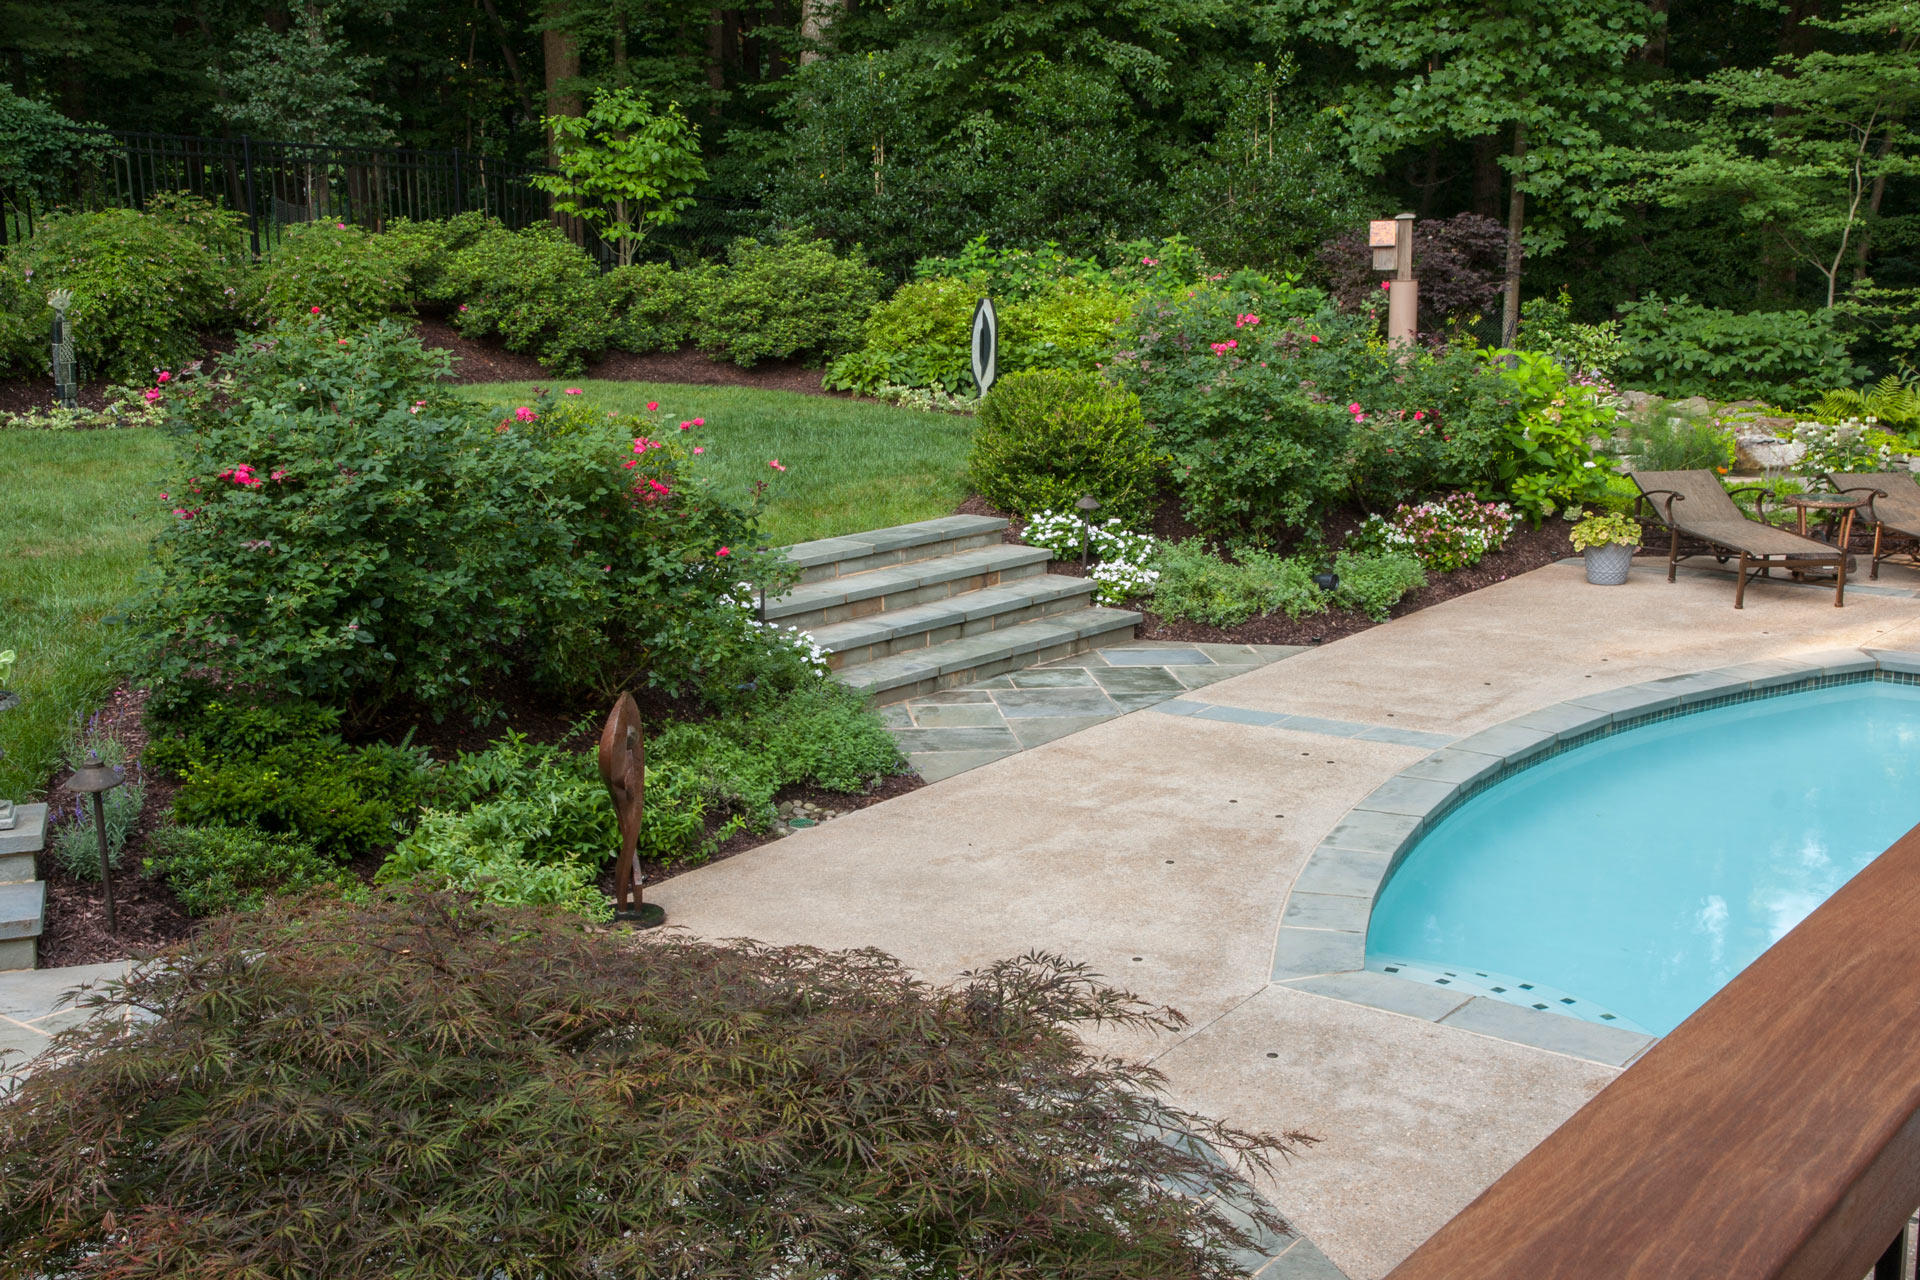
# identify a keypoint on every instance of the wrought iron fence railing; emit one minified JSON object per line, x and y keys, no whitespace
{"x":276,"y":184}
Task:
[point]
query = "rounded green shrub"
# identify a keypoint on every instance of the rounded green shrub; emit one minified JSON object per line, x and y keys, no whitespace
{"x":353,"y":277}
{"x":144,"y":284}
{"x":1047,"y":438}
{"x":651,"y":305}
{"x":214,"y":870}
{"x":534,"y":288}
{"x":791,"y":298}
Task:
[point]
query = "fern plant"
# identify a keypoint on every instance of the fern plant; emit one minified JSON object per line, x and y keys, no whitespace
{"x":1891,"y":401}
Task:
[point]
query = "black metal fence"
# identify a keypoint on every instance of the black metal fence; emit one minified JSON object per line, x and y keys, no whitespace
{"x":275,"y":185}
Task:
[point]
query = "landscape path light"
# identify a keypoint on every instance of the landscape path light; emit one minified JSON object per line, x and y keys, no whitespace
{"x":1088,"y":504}
{"x":8,"y":701}
{"x":94,"y":780}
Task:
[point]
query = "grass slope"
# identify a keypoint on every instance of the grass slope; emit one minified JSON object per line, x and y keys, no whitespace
{"x":76,"y":510}
{"x":851,"y":466}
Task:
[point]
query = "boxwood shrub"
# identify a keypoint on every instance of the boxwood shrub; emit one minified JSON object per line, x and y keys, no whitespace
{"x":1045,"y":439}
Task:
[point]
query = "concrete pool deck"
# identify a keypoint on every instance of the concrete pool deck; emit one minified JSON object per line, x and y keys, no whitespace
{"x":1160,"y":848}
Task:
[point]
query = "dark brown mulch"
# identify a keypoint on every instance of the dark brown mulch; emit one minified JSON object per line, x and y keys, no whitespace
{"x":146,"y":913}
{"x":1527,"y":549}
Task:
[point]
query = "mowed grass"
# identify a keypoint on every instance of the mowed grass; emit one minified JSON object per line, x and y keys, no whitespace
{"x":76,"y":511}
{"x":851,"y":466}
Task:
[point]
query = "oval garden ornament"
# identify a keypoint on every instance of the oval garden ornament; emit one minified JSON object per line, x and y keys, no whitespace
{"x":986,"y":345}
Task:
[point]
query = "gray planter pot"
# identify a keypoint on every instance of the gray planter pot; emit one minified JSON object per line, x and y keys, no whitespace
{"x":1607,"y":566}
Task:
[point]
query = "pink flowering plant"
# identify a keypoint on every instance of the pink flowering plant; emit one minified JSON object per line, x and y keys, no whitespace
{"x":347,"y":530}
{"x":1445,"y":534}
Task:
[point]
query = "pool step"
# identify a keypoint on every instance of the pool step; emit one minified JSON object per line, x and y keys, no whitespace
{"x":23,"y":897}
{"x":921,"y":607}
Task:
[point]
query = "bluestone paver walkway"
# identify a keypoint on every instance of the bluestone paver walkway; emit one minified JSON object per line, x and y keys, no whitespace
{"x":959,"y":729}
{"x":1159,"y":847}
{"x":33,"y":1007}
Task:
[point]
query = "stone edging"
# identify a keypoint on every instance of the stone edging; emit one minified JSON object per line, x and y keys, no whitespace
{"x":1321,"y":942}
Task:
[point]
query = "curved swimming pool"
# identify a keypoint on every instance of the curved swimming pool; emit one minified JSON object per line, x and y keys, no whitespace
{"x":1627,"y":880}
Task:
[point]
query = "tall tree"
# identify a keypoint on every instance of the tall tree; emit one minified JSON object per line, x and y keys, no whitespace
{"x":1549,"y":78}
{"x":1803,"y":149}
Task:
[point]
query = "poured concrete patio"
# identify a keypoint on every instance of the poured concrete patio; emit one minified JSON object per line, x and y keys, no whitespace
{"x":1160,"y":848}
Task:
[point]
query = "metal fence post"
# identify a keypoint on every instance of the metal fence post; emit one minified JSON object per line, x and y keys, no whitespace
{"x":459,"y":184}
{"x":253,"y":203}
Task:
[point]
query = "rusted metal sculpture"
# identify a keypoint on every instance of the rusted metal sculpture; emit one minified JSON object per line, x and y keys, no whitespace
{"x":623,"y":767}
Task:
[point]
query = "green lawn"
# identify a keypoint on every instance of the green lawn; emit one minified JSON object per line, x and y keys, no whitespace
{"x":76,"y":510}
{"x":850,"y":465}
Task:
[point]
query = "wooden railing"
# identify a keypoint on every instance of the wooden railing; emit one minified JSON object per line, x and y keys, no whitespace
{"x":1773,"y":1134}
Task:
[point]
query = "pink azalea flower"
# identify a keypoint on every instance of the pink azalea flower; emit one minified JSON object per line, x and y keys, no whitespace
{"x":463,"y":306}
{"x":339,"y":226}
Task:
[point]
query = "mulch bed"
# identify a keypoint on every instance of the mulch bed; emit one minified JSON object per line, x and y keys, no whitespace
{"x":148,"y":916}
{"x":1527,"y":549}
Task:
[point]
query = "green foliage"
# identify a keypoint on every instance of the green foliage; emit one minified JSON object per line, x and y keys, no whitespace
{"x":350,"y":275}
{"x":652,"y":305}
{"x":282,"y":767}
{"x":425,"y":250}
{"x":1605,"y":529}
{"x":478,"y":1090}
{"x":789,"y":298}
{"x":75,"y":846}
{"x":726,"y":770}
{"x":1680,"y":348}
{"x":623,"y":167}
{"x":1046,"y":439}
{"x":348,"y":531}
{"x":1667,"y":437}
{"x":535,"y":289}
{"x":144,"y":285}
{"x":517,"y":824}
{"x":1373,"y":584}
{"x":214,"y":870}
{"x":1196,"y":585}
{"x":1544,"y":455}
{"x":1891,"y":401}
{"x":38,"y":147}
{"x":1586,"y":351}
{"x":303,"y":84}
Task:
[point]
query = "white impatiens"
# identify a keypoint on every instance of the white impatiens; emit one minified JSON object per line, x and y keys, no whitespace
{"x":1124,"y":558}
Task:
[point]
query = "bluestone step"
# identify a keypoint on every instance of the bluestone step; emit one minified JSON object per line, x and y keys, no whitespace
{"x":919,"y":626}
{"x":829,"y":558}
{"x":815,"y":604}
{"x":17,"y":868}
{"x":979,"y":657}
{"x":22,"y":908}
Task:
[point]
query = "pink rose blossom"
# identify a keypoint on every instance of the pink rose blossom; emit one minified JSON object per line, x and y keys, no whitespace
{"x":1313,"y":337}
{"x":313,"y":310}
{"x":152,"y":394}
{"x":163,"y":376}
{"x":524,"y":414}
{"x":775,"y":464}
{"x":724,"y":551}
{"x":698,"y":449}
{"x":573,"y":391}
{"x":652,"y":405}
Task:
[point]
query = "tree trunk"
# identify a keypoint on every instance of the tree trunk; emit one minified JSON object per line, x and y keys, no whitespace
{"x":816,"y":21}
{"x":620,"y":49}
{"x":1654,"y":51}
{"x":1486,"y":176}
{"x":716,"y":56}
{"x":507,"y":56}
{"x":1796,"y":37}
{"x":561,"y":49}
{"x":1516,"y":223}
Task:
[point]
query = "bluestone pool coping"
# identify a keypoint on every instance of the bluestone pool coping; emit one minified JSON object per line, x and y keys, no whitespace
{"x":1321,"y":940}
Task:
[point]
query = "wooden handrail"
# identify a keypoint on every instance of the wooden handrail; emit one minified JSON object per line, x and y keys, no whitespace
{"x":1773,"y":1134}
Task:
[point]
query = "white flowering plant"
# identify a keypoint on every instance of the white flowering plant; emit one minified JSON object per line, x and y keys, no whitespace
{"x":1854,"y":445}
{"x":1124,"y":557}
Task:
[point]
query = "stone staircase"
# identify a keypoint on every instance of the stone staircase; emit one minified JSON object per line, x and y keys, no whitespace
{"x":23,"y":895}
{"x":910,"y":610}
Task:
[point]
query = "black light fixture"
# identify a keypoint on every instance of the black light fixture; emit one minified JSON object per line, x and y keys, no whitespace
{"x":1327,"y":580}
{"x":92,"y":781}
{"x":1087,"y":504}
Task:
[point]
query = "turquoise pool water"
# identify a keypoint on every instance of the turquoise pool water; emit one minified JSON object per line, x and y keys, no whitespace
{"x":1628,"y":880}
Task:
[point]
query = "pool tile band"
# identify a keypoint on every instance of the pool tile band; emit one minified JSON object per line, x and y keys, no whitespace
{"x":1322,"y":939}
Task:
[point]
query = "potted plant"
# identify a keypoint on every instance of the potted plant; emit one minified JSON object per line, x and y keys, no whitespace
{"x":1608,"y":541}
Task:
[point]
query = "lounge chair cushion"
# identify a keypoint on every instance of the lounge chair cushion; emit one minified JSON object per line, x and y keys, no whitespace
{"x":1706,"y":512}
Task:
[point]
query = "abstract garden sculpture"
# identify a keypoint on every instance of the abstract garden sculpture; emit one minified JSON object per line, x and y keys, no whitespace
{"x":623,"y":767}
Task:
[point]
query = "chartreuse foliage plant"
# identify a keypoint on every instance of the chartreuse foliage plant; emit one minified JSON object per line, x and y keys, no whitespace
{"x":1045,"y":439}
{"x":214,"y":870}
{"x":424,"y":1084}
{"x":348,"y":531}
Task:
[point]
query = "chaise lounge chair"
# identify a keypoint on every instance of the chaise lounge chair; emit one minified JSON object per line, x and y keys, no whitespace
{"x":1702,"y":519}
{"x":1893,"y":510}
